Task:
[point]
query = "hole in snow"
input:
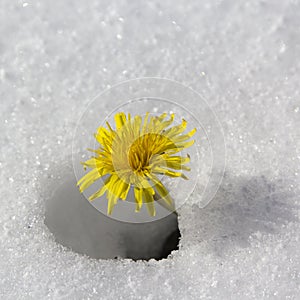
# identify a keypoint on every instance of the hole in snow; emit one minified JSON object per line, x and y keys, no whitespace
{"x":76,"y":224}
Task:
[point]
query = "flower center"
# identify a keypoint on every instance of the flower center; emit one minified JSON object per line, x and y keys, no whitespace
{"x":144,"y":149}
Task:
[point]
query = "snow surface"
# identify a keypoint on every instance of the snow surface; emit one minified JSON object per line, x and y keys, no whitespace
{"x":242,"y":56}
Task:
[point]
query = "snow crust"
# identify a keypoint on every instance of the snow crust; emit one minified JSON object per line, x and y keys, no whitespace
{"x":242,"y":56}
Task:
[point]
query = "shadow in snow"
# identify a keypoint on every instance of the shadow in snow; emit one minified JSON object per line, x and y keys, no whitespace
{"x":76,"y":224}
{"x":243,"y":206}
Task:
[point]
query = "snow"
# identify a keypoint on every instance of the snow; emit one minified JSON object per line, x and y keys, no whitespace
{"x":241,"y":56}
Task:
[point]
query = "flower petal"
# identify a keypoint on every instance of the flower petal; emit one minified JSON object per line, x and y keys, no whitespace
{"x":138,"y":198}
{"x":120,"y":120}
{"x":88,"y":179}
{"x":148,"y":198}
{"x":102,"y":190}
{"x":163,"y":193}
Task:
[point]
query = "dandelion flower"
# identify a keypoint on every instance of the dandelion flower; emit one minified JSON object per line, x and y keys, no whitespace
{"x":135,"y":155}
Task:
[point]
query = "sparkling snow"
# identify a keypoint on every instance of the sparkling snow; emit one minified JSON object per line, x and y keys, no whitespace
{"x":242,"y":56}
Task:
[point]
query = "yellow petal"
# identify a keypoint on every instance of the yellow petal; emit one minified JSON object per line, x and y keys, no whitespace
{"x":162,"y":191}
{"x":111,"y":202}
{"x":144,"y":183}
{"x":175,"y":130}
{"x":184,"y":137}
{"x":120,"y":120}
{"x":148,"y":198}
{"x":145,"y":125}
{"x":165,"y":124}
{"x":122,"y":189}
{"x":88,"y":179}
{"x":177,"y":162}
{"x":138,"y":199}
{"x":102,"y":190}
{"x":162,"y":117}
{"x":159,"y":170}
{"x":109,"y":127}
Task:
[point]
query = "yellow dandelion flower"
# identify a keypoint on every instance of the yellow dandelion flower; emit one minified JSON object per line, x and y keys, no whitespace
{"x":134,"y":155}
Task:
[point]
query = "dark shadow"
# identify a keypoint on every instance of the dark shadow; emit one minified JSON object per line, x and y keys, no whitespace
{"x":243,"y":207}
{"x":76,"y":224}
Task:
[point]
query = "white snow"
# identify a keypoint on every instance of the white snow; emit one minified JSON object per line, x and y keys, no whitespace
{"x":242,"y":56}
